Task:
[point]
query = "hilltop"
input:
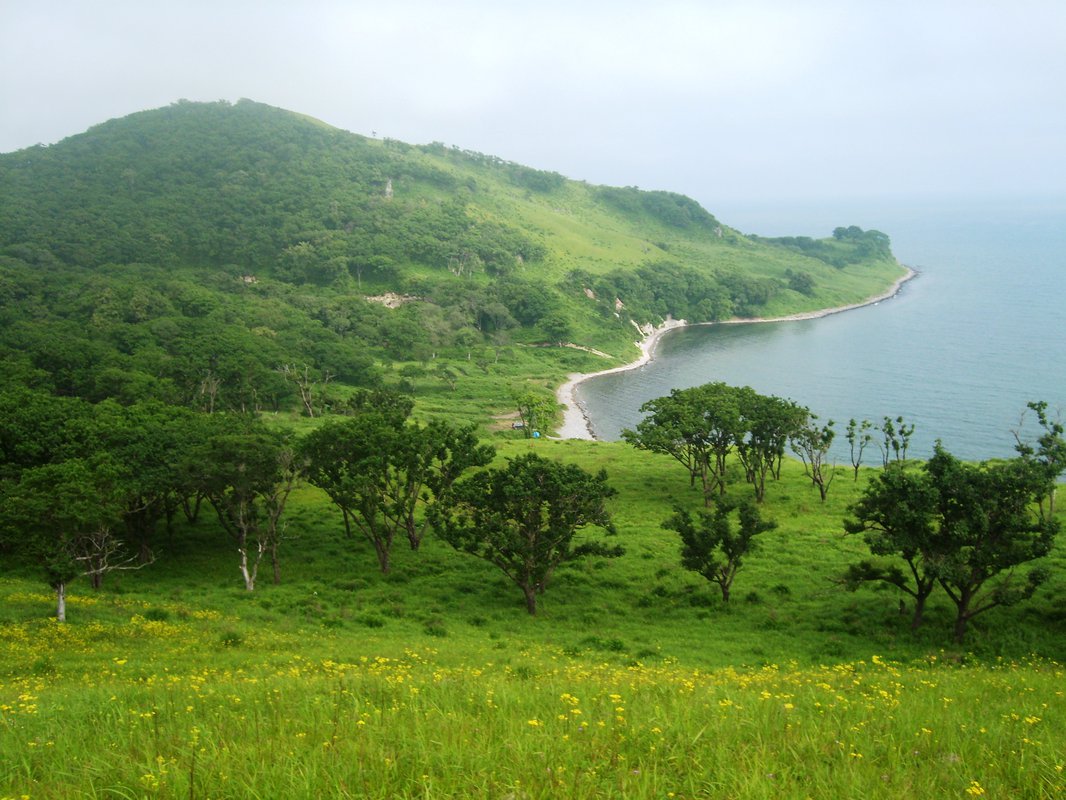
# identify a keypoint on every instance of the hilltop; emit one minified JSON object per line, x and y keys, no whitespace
{"x":219,"y":240}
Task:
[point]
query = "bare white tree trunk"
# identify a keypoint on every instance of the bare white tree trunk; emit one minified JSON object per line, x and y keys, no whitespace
{"x":61,"y":601}
{"x":250,"y":567}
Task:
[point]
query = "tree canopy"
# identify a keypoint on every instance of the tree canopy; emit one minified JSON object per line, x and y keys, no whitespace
{"x":964,"y":527}
{"x":700,"y":427}
{"x":524,"y":519}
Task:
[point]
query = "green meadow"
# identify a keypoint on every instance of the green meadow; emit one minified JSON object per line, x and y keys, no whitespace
{"x":633,"y":680}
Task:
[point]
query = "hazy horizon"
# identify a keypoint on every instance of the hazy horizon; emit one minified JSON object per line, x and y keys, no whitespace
{"x":730,"y":102}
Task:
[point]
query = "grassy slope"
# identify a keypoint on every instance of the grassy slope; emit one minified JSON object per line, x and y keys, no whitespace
{"x":155,"y":175}
{"x":183,"y":682}
{"x":434,"y":681}
{"x":581,"y":233}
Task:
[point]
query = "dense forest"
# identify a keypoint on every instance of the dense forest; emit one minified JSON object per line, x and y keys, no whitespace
{"x":205,"y":254}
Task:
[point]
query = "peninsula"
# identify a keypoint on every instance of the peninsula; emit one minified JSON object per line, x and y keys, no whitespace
{"x":243,"y":257}
{"x":576,"y":424}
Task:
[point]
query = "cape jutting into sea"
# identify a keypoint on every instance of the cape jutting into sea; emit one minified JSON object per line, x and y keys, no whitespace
{"x":958,"y":352}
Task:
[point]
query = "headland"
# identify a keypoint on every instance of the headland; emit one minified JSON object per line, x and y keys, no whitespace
{"x":575,"y":423}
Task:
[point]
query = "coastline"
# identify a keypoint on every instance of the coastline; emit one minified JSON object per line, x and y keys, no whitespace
{"x":575,"y":424}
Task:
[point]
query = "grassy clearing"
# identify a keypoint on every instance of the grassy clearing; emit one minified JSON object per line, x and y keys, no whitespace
{"x":635,"y":680}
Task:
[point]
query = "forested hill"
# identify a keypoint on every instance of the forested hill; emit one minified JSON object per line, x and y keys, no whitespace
{"x":128,"y":247}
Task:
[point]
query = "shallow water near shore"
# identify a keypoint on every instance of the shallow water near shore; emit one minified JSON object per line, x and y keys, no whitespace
{"x":958,"y":352}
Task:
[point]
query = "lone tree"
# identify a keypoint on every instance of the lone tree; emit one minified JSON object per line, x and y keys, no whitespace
{"x":987,"y":520}
{"x":859,"y":437}
{"x":524,"y":518}
{"x":535,"y":410}
{"x":811,"y":443}
{"x":1048,"y":455}
{"x":714,"y":548}
{"x":61,"y":515}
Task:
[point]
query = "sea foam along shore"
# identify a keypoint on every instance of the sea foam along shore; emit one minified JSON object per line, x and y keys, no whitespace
{"x":575,"y":423}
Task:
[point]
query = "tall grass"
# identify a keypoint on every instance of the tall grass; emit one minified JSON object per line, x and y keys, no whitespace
{"x":634,"y":681}
{"x":175,"y":717}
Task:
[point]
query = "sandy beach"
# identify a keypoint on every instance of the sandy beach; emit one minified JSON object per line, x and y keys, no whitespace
{"x":575,"y":423}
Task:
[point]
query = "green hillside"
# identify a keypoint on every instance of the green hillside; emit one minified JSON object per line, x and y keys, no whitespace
{"x":209,"y":241}
{"x":233,"y":562}
{"x":634,"y":680}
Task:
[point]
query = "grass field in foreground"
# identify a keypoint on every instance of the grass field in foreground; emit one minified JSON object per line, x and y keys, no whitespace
{"x":257,"y":719}
{"x":635,"y":681}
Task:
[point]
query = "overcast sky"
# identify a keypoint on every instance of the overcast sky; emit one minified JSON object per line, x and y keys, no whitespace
{"x":725,"y":100}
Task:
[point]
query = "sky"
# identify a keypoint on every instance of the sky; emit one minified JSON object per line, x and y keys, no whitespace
{"x":728,"y":101}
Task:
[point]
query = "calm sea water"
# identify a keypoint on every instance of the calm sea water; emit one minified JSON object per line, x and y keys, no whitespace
{"x":958,"y":352}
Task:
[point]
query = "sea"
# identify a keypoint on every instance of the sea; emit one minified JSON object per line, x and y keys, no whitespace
{"x":958,"y":352}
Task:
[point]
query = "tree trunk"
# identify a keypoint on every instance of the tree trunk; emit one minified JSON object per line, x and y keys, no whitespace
{"x":960,"y":628}
{"x":192,"y":512}
{"x":759,"y":483}
{"x":274,"y":563}
{"x":414,"y":534}
{"x":919,"y":612}
{"x":249,"y":580}
{"x":61,"y":601}
{"x":962,"y":605}
{"x":246,"y":573}
{"x":383,"y":557}
{"x":531,"y":599}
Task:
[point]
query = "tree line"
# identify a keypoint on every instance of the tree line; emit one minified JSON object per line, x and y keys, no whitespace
{"x":967,"y":529}
{"x":850,"y":245}
{"x":85,"y":489}
{"x":90,"y":489}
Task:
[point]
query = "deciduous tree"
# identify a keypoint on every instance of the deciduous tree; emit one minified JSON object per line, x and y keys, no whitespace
{"x":381,"y":471}
{"x":713,"y":547}
{"x":896,"y":515}
{"x":1048,"y":454}
{"x":811,"y":443}
{"x":248,"y":476}
{"x":61,"y":514}
{"x":896,"y":436}
{"x":767,"y":423}
{"x":535,"y":409}
{"x":989,"y":527}
{"x":964,"y":527}
{"x":859,"y":437}
{"x":698,"y":427}
{"x":524,"y":519}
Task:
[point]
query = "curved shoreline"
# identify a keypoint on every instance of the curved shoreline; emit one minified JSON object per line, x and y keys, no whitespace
{"x":576,"y":424}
